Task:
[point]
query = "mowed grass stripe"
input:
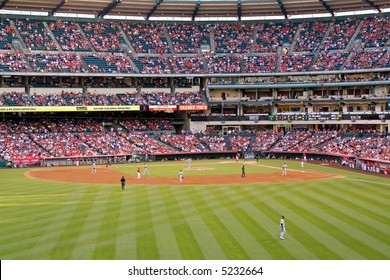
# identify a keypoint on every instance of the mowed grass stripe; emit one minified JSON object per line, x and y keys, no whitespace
{"x":372,"y":246}
{"x":105,"y":247}
{"x":370,"y":213}
{"x":71,"y":232}
{"x":303,"y":227}
{"x":372,"y":184}
{"x":126,"y":243}
{"x":208,"y":244}
{"x":225,"y":239}
{"x":43,"y":246}
{"x":147,"y":248}
{"x":360,"y":191}
{"x":231,"y":247}
{"x":338,"y":225}
{"x":30,"y":220}
{"x":364,"y":193}
{"x":276,"y":249}
{"x":268,"y":233}
{"x":19,"y":235}
{"x":86,"y":242}
{"x":40,"y":228}
{"x":166,"y":239}
{"x":240,"y":233}
{"x":311,"y":243}
{"x":278,"y":246}
{"x":188,"y":244}
{"x":265,"y":241}
{"x":238,"y":208}
{"x":237,"y":227}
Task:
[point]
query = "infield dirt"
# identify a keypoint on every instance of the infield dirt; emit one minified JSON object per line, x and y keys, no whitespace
{"x":111,"y":176}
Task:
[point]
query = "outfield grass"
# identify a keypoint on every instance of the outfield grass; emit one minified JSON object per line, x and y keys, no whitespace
{"x":343,"y":218}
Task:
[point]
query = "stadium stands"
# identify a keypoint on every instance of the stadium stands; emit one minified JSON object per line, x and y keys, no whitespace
{"x":157,"y":48}
{"x":153,"y":57}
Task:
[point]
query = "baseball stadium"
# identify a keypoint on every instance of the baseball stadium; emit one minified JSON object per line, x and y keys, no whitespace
{"x":185,"y":130}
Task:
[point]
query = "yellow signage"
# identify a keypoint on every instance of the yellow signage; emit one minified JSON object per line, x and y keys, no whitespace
{"x":8,"y":109}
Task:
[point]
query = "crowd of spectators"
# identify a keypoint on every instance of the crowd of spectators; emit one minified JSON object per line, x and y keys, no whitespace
{"x":187,"y":65}
{"x":265,"y":139}
{"x":152,"y":65}
{"x":189,"y":98}
{"x":188,"y":38}
{"x":233,"y":37}
{"x":328,"y":61}
{"x":159,"y":124}
{"x":16,"y":99}
{"x":150,"y":51}
{"x":35,"y":35}
{"x":61,"y":62}
{"x":104,"y":99}
{"x":86,"y":137}
{"x":270,"y":36}
{"x":216,"y":143}
{"x":374,"y":32}
{"x":73,"y":98}
{"x":147,"y":144}
{"x":146,"y":37}
{"x":133,"y":125}
{"x":108,"y":63}
{"x":76,"y":98}
{"x":260,"y":64}
{"x":69,"y":36}
{"x":184,"y":142}
{"x":295,"y":62}
{"x":15,"y":141}
{"x":311,"y":35}
{"x":384,"y":61}
{"x":104,"y":36}
{"x":340,"y":34}
{"x":363,"y":59}
{"x":7,"y":34}
{"x":223,"y":64}
{"x":52,"y":99}
{"x":11,"y":61}
{"x":239,"y":143}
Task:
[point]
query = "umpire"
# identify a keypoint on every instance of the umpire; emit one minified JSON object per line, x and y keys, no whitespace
{"x":123,"y":183}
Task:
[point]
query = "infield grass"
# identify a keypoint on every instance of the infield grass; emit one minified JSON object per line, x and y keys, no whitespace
{"x":341,"y":218}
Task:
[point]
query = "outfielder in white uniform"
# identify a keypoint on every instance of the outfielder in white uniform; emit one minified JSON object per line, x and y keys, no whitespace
{"x":282,"y":228}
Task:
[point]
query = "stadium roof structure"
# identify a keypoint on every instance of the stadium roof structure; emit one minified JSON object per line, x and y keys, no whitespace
{"x":195,"y":9}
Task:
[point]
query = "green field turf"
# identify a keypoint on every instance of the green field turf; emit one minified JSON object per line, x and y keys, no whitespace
{"x":344,"y":218}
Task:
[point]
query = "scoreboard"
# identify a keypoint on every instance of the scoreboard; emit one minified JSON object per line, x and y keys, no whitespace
{"x":309,"y":117}
{"x":324,"y":117}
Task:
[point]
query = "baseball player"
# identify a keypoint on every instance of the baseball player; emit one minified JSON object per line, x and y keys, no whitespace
{"x":181,"y":176}
{"x":93,"y":168}
{"x":284,"y":169}
{"x":282,"y":228}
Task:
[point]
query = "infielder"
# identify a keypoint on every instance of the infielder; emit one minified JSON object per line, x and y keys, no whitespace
{"x":284,"y":169}
{"x":181,"y":175}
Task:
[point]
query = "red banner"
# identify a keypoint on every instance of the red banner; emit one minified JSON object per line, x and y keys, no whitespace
{"x":25,"y":161}
{"x":162,"y":108}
